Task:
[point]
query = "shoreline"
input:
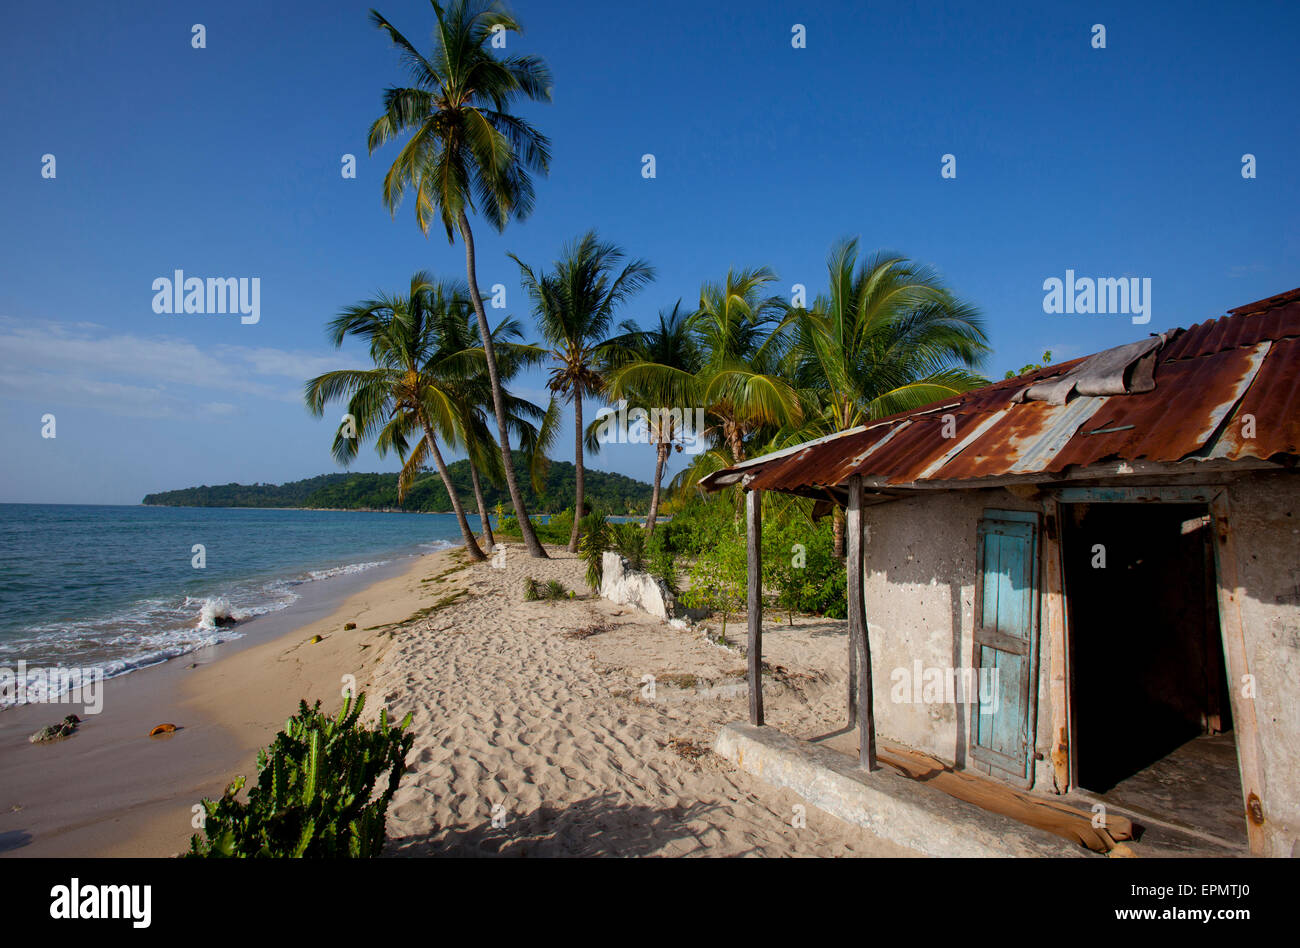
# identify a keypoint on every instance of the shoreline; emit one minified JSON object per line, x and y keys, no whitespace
{"x":533,"y":732}
{"x":111,"y":790}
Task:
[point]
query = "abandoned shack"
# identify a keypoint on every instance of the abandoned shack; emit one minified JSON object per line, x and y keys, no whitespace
{"x":1106,"y":553}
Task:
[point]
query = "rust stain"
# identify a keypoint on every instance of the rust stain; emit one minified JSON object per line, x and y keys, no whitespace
{"x":1255,"y":809}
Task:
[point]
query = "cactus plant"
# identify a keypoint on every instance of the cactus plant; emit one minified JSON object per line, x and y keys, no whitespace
{"x":314,"y":788}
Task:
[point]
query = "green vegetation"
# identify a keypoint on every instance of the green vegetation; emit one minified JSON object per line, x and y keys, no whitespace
{"x":415,"y":391}
{"x":574,"y":305}
{"x":551,"y":589}
{"x":745,"y":369}
{"x":608,"y":492}
{"x":656,"y":369}
{"x":595,"y":540}
{"x":801,"y":572}
{"x":467,"y":153}
{"x":661,"y":563}
{"x":314,"y":790}
{"x":1031,"y":367}
{"x":292,"y":494}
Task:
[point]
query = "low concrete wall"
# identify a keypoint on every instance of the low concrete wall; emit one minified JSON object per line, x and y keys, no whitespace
{"x":885,"y":802}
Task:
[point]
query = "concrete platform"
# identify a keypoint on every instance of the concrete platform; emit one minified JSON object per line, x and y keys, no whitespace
{"x":888,"y":804}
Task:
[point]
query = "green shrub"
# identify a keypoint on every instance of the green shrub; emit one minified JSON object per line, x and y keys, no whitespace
{"x":314,"y":788}
{"x":552,"y":589}
{"x":661,"y":562}
{"x":800,"y":564}
{"x":628,"y":541}
{"x":701,"y":524}
{"x":719,"y":579}
{"x":592,"y":546}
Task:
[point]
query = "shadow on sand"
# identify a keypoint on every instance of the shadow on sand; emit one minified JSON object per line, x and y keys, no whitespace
{"x":596,"y":826}
{"x":14,"y":839}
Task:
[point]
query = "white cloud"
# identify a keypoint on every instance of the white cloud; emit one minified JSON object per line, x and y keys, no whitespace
{"x":146,"y":377}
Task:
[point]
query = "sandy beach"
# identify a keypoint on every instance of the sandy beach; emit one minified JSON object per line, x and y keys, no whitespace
{"x":536,"y":731}
{"x":537,"y":713}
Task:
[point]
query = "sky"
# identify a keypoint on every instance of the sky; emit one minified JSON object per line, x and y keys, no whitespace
{"x":1117,"y":162}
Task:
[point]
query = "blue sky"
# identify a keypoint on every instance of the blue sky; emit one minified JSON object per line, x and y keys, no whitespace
{"x":225,"y":161}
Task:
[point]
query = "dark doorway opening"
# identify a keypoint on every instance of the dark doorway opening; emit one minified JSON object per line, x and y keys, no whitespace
{"x":1149,"y":692}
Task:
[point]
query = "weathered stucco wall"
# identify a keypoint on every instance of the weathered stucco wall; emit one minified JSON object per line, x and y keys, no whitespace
{"x":1264,"y":515}
{"x":920,"y":603}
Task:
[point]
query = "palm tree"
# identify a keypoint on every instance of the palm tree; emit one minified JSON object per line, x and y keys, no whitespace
{"x":405,"y":394}
{"x":889,"y":337}
{"x":533,"y":427}
{"x":658,"y":377}
{"x":742,"y":335}
{"x":467,"y":153}
{"x":574,"y":305}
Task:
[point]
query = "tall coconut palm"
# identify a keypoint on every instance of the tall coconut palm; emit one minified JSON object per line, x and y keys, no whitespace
{"x":574,"y":304}
{"x":887,"y":337}
{"x":743,"y":344}
{"x":404,"y":395}
{"x":467,"y":153}
{"x":659,"y":376}
{"x":532,"y":427}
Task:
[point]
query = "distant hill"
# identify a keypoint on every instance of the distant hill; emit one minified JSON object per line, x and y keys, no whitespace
{"x":606,"y":492}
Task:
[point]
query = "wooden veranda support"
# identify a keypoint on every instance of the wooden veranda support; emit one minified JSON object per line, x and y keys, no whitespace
{"x":754,"y":558}
{"x":861,"y":706}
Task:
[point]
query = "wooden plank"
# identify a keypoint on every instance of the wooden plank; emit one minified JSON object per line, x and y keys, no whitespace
{"x":754,"y":538}
{"x":1244,"y":725}
{"x":1054,"y":607}
{"x":1136,"y":495}
{"x":858,"y":637}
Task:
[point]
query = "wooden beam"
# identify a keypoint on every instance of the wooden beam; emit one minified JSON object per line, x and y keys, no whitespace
{"x":860,"y":670}
{"x":754,"y":537}
{"x":1055,"y":623}
{"x":1234,"y":647}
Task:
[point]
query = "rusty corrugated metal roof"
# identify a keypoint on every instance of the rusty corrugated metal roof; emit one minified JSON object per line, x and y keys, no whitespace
{"x":1208,"y":379}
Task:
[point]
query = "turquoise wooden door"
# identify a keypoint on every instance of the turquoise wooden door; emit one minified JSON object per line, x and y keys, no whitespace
{"x":1006,"y":644}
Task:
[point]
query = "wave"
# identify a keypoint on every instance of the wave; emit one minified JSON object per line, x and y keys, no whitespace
{"x":151,"y":631}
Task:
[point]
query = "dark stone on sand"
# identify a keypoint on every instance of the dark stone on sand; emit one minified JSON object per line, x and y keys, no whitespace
{"x":64,"y":728}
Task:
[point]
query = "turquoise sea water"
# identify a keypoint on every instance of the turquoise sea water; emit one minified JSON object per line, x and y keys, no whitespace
{"x":116,"y":587}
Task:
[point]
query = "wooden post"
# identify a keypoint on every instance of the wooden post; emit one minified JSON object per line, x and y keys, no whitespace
{"x":853,"y":668}
{"x":858,"y":638}
{"x":1054,"y":597}
{"x":754,"y":536}
{"x":1244,"y":725}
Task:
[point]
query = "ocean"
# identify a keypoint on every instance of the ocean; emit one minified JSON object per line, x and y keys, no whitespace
{"x":117,"y":588}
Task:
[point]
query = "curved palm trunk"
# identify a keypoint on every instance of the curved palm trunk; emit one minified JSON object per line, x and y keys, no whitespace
{"x":486,"y":532}
{"x":661,"y":456}
{"x":471,"y":545}
{"x":533,"y":545}
{"x":577,"y":456}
